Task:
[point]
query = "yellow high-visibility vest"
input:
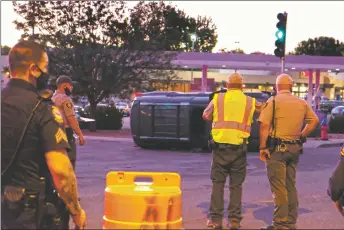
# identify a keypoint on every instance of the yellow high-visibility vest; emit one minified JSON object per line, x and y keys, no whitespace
{"x":232,"y":117}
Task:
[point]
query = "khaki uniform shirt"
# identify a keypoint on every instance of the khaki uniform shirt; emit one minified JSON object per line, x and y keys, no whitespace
{"x":290,"y":113}
{"x":65,"y":105}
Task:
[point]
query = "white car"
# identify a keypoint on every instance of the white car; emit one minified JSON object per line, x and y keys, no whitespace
{"x":124,"y":108}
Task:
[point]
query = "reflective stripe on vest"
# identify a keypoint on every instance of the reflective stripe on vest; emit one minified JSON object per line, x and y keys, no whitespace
{"x":222,"y":124}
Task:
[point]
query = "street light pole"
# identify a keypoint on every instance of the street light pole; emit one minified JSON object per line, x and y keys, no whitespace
{"x":193,"y":40}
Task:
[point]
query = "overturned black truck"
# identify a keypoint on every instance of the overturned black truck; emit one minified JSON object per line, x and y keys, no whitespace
{"x":174,"y":119}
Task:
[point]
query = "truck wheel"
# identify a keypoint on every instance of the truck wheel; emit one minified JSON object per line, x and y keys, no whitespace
{"x":141,"y":144}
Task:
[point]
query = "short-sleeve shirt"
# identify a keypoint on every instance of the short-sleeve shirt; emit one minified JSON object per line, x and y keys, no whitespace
{"x":290,"y":114}
{"x":44,"y":134}
{"x":65,"y":105}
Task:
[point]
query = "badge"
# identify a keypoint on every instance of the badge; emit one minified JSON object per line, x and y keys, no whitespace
{"x":69,"y":105}
{"x":57,"y":115}
{"x":60,"y":135}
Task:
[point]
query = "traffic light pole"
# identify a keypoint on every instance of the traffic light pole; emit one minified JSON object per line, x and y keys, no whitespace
{"x":282,"y":64}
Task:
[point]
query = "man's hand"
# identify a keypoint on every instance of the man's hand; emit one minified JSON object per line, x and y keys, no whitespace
{"x":81,"y":140}
{"x":339,"y":206}
{"x":264,"y":155}
{"x":80,"y":220}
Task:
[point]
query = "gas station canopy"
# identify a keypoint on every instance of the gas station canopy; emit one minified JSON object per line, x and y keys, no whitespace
{"x":296,"y":63}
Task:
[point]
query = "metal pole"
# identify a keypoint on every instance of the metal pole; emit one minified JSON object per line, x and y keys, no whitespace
{"x":282,"y":65}
{"x":285,"y":44}
{"x":193,"y":50}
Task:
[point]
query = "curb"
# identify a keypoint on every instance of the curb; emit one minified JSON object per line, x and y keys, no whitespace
{"x":329,"y":145}
{"x":93,"y":138}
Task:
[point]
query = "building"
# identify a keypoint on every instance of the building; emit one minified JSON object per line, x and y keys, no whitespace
{"x":260,"y":71}
{"x":196,"y":71}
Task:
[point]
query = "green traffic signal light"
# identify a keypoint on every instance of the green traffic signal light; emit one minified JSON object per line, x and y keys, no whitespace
{"x":281,"y":35}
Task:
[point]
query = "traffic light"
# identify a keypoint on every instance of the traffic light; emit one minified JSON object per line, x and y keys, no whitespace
{"x":281,"y":34}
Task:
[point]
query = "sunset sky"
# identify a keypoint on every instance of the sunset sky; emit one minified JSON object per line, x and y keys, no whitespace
{"x":250,"y":26}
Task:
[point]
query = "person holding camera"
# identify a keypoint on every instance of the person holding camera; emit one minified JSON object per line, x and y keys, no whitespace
{"x":34,"y":144}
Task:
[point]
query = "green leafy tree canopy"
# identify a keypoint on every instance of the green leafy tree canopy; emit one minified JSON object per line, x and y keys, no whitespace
{"x":320,"y":46}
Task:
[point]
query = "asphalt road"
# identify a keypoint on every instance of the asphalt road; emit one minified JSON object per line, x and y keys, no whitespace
{"x":316,"y":211}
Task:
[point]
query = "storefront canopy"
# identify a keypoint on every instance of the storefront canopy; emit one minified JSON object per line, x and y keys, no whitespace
{"x":258,"y":62}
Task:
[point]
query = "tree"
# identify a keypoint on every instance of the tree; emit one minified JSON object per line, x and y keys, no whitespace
{"x":234,"y":51}
{"x":173,"y":26}
{"x":258,"y":52}
{"x":96,"y":44}
{"x":5,"y":50}
{"x":320,"y":46}
{"x":33,"y":14}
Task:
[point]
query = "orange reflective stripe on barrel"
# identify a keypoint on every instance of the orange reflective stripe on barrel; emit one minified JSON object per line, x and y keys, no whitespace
{"x":222,"y":124}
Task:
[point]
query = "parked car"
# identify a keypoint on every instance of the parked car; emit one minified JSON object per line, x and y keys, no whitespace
{"x":328,"y":105}
{"x":124,"y":108}
{"x":336,"y":120}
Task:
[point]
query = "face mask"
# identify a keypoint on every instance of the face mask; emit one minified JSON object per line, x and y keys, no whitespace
{"x":42,"y":81}
{"x":67,"y":91}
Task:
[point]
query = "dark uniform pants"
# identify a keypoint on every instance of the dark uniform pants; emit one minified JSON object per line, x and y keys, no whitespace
{"x":72,"y":158}
{"x":281,"y":171}
{"x":15,"y":216}
{"x":71,"y":141}
{"x":231,"y":162}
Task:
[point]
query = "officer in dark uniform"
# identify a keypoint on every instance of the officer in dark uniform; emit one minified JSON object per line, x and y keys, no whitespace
{"x":281,"y":154}
{"x":33,"y":143}
{"x":336,"y":185}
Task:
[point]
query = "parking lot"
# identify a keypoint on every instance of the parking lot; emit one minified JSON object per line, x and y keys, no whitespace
{"x":99,"y":157}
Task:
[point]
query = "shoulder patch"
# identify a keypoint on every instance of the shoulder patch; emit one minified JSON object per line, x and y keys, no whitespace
{"x":56,"y":114}
{"x":69,"y":105}
{"x":60,"y":135}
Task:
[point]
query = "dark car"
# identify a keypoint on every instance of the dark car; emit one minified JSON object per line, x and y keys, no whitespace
{"x":336,"y":120}
{"x":327,"y":105}
{"x":176,"y":119}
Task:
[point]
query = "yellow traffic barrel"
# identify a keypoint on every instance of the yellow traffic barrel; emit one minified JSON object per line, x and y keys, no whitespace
{"x":142,"y":200}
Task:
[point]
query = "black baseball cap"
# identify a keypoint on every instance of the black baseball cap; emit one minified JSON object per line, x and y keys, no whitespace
{"x":63,"y":79}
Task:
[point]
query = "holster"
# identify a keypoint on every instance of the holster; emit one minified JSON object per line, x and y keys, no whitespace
{"x":212,"y":145}
{"x":70,"y":134}
{"x":19,"y":199}
{"x":271,"y":143}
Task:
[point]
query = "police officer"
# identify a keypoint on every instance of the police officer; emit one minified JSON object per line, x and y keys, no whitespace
{"x":286,"y":141}
{"x":232,"y":115}
{"x":33,"y":140}
{"x":336,"y":185}
{"x":62,"y":100}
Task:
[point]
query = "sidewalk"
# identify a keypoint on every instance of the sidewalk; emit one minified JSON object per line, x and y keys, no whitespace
{"x":335,"y":140}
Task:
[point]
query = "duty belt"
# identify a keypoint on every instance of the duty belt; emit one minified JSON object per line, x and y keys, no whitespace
{"x":279,"y":141}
